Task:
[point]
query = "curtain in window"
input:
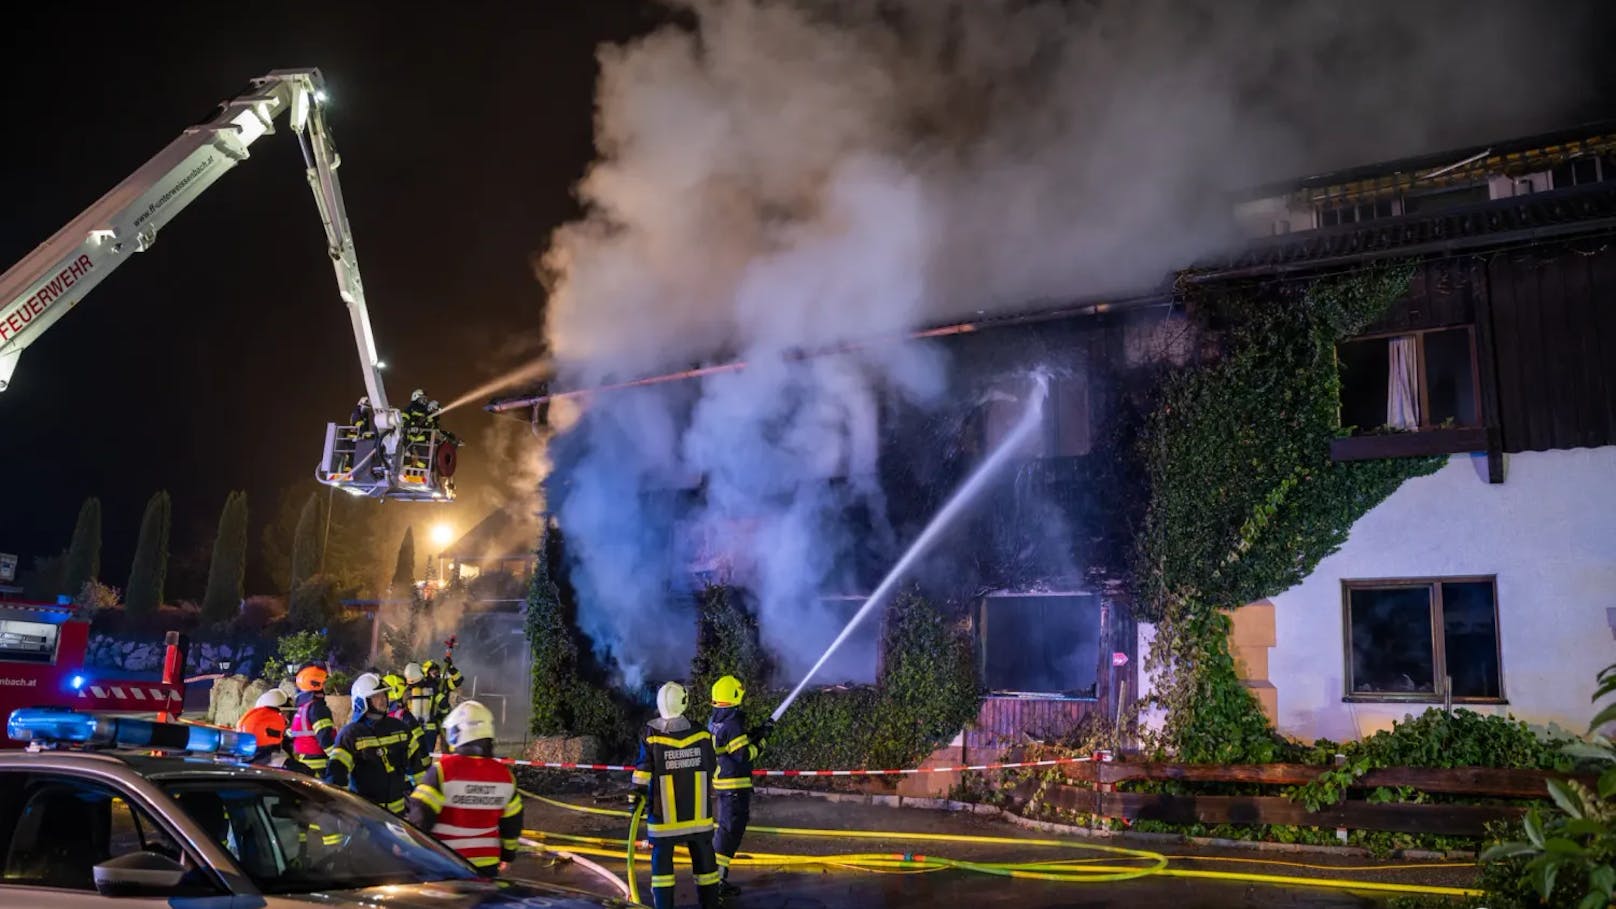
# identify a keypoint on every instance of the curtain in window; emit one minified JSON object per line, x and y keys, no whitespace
{"x":1403,"y":385}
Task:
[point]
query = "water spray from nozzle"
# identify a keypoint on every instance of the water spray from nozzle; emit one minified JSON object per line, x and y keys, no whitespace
{"x":967,"y":491}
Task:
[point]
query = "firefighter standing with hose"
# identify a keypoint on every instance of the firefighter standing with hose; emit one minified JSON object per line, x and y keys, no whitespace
{"x":737,"y":749}
{"x":467,"y":799}
{"x":674,"y":765}
{"x":371,"y":752}
{"x":313,"y":731}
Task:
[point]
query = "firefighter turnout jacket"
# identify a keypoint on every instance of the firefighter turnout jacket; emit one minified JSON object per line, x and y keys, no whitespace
{"x":675,"y":764}
{"x":370,"y":757}
{"x":735,"y":748}
{"x":469,"y":801}
{"x":312,"y":732}
{"x":418,"y":758}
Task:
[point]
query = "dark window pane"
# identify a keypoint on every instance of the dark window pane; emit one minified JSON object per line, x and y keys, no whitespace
{"x":1607,"y":168}
{"x":1391,"y":640}
{"x":1042,"y":644}
{"x":1449,"y":377}
{"x":1585,"y":170}
{"x":1383,"y":208}
{"x":1442,"y":200}
{"x":1364,"y":368}
{"x":1470,"y":638}
{"x":1330,"y":218}
{"x":1562,"y":176}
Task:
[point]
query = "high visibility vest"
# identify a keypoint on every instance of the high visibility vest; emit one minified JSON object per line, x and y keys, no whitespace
{"x":305,"y":735}
{"x":476,"y":794}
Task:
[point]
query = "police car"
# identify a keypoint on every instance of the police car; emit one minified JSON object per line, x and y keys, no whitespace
{"x":176,"y":823}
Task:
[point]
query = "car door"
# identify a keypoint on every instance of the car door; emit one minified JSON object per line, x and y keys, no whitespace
{"x":56,"y":827}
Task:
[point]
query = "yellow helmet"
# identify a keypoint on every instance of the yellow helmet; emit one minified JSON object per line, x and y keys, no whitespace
{"x":727,"y":692}
{"x":395,"y":686}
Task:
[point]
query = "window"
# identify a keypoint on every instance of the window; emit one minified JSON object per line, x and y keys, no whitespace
{"x":1422,"y":639}
{"x":1040,"y":644}
{"x":54,"y":830}
{"x":1064,"y":430}
{"x":1415,"y":381}
{"x":1585,"y":170}
{"x":1354,"y":213}
{"x":27,"y":642}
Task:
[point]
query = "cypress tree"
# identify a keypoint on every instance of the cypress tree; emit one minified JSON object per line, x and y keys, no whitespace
{"x":228,"y":567}
{"x":146,"y":575}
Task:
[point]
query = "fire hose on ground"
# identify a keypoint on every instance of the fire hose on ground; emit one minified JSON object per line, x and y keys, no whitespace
{"x":1112,"y":865}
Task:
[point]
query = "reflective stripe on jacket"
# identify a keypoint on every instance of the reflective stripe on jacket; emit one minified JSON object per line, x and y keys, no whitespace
{"x":675,"y":764}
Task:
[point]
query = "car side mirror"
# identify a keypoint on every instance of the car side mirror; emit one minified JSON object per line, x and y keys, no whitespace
{"x":139,"y":874}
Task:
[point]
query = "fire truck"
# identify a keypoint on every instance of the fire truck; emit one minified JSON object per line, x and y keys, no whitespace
{"x":384,"y":455}
{"x":42,"y":650}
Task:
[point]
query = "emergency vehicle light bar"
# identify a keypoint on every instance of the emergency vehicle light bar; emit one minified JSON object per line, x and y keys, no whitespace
{"x":55,"y":726}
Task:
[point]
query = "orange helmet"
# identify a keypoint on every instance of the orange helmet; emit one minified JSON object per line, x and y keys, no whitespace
{"x":311,"y":678}
{"x":266,"y":724}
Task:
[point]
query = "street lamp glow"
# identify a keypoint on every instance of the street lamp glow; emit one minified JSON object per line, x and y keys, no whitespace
{"x":442,"y":535}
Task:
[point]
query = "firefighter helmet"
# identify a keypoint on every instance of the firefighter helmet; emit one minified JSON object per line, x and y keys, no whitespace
{"x":311,"y":678}
{"x":274,"y":697}
{"x":364,"y":401}
{"x":413,"y":673}
{"x":671,"y":700}
{"x":366,"y":686}
{"x":395,"y":686}
{"x":727,"y":692}
{"x":417,"y":395}
{"x":468,"y":722}
{"x":428,"y":666}
{"x":268,"y":727}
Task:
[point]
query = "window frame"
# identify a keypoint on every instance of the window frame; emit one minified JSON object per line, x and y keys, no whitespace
{"x":1439,"y":658}
{"x":981,"y":632}
{"x":1418,"y":334}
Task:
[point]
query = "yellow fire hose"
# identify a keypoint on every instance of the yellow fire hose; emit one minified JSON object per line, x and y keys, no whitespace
{"x":633,"y":831}
{"x":1084,"y":870}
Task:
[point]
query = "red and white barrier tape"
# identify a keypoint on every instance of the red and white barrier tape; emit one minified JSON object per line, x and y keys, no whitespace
{"x":625,"y":768}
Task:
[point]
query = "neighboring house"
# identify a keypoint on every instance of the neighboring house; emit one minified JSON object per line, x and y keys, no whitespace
{"x":501,"y":543}
{"x":1492,"y":583}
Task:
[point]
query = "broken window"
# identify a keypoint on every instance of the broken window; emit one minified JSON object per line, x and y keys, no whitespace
{"x":1438,"y":200}
{"x":1423,"y":639}
{"x":1412,"y":381}
{"x":27,"y":642}
{"x":1045,"y":644}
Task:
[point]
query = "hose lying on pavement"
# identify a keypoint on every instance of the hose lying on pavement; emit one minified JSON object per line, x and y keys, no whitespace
{"x":1124,"y":864}
{"x":594,"y":868}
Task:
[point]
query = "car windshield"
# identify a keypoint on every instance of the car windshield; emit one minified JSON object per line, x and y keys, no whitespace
{"x":292,"y":836}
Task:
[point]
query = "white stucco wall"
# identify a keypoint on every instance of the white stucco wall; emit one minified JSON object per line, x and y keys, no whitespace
{"x":1549,"y":534}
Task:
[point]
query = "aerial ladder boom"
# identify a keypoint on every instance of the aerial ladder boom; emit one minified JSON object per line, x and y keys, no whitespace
{"x":43,"y":287}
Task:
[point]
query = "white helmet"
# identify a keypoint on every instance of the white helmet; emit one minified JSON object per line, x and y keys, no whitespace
{"x":417,"y":394}
{"x":671,"y":700}
{"x":468,"y":722}
{"x":365,"y":686}
{"x":364,"y":401}
{"x":413,"y":673}
{"x":432,"y":405}
{"x":274,"y":697}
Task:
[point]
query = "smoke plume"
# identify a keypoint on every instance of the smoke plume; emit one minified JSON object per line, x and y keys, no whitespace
{"x":776,"y":176}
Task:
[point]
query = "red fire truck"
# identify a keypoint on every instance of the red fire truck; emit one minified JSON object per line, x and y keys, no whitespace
{"x":42,"y":648}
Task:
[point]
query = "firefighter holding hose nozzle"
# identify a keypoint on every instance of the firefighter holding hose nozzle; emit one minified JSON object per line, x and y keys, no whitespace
{"x":674,"y":766}
{"x":737,"y":749}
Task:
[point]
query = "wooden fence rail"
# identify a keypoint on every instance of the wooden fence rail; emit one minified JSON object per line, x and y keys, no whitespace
{"x":1091,"y":791}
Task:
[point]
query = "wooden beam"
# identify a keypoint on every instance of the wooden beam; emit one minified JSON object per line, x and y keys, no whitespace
{"x":1447,"y":820}
{"x":1478,"y":781}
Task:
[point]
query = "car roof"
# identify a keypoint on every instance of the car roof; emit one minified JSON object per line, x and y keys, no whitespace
{"x":148,"y":764}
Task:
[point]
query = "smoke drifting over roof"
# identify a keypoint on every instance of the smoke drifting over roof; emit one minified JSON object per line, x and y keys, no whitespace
{"x":786,"y":175}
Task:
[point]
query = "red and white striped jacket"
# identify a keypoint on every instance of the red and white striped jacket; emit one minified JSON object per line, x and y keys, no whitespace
{"x":470,"y":803}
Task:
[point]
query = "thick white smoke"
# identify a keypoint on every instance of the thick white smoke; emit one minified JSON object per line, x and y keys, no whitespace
{"x":780,"y":176}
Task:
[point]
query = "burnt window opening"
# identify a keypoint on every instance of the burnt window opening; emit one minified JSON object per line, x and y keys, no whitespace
{"x":1043,"y":644}
{"x":1414,"y":381}
{"x":1423,"y":639}
{"x":1584,"y":171}
{"x":1064,"y":428}
{"x":22,"y":641}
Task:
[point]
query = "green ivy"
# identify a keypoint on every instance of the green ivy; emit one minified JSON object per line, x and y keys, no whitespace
{"x":927,"y":690}
{"x":563,"y":701}
{"x":1244,"y":500}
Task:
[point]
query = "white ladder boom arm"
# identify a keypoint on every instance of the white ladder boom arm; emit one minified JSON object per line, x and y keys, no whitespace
{"x":55,"y":277}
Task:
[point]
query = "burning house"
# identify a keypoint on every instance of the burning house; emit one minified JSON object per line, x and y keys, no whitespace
{"x":1485,"y":584}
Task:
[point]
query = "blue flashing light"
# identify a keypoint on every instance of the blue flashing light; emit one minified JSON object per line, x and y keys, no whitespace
{"x":77,"y":683}
{"x":54,"y":725}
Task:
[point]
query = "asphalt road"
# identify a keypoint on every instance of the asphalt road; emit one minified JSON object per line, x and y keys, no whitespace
{"x":771,"y":885}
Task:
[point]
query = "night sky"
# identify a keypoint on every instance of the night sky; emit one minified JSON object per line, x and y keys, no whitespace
{"x":212,"y":361}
